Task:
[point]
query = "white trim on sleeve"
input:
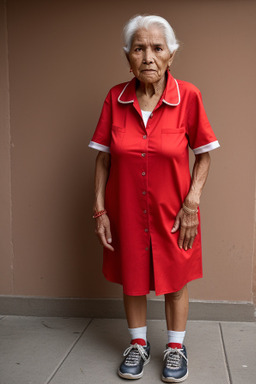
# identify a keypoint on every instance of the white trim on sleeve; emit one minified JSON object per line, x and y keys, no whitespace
{"x":206,"y":148}
{"x":99,"y":147}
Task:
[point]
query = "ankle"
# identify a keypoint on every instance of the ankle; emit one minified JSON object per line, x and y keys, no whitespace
{"x":175,"y":345}
{"x":139,"y":333}
{"x":175,"y":337}
{"x":139,"y":341}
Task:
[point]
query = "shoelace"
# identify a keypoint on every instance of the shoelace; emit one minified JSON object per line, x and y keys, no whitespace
{"x":174,"y":356}
{"x":134,"y":353}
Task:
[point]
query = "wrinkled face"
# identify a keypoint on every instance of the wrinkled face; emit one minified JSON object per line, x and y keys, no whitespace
{"x":149,"y":56}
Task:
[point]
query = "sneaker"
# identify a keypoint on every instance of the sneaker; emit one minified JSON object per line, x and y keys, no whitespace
{"x":175,"y":365}
{"x":136,"y":356}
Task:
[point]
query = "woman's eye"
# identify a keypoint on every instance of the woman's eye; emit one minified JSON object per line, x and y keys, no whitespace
{"x":138,"y":49}
{"x":158,"y":49}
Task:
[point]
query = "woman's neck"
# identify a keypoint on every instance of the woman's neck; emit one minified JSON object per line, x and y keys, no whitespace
{"x":148,"y":94}
{"x":151,"y":89}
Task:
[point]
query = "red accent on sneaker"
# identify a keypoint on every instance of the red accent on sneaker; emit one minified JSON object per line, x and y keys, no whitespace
{"x":175,"y":345}
{"x":138,"y":341}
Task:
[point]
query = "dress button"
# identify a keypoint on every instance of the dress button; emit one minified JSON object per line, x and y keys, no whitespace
{"x":151,"y":115}
{"x":146,"y":249}
{"x":143,"y":173}
{"x":145,"y":211}
{"x":143,"y":154}
{"x":144,"y":193}
{"x":146,"y":230}
{"x":144,"y":137}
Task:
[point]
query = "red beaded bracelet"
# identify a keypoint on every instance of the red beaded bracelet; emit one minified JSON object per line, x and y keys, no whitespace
{"x":98,"y":214}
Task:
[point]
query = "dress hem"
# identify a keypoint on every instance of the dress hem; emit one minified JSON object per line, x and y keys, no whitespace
{"x":152,"y":290}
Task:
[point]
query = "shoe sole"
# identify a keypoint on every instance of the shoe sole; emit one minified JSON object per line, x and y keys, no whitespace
{"x":173,"y":380}
{"x":129,"y":376}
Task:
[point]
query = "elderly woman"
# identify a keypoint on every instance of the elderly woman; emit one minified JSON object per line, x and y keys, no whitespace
{"x":146,"y":202}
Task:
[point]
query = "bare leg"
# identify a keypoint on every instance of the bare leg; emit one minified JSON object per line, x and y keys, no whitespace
{"x":138,"y":354}
{"x":176,"y":310}
{"x":136,"y":310}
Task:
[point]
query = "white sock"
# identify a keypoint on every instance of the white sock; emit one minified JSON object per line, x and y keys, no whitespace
{"x":138,"y":333}
{"x":176,"y":337}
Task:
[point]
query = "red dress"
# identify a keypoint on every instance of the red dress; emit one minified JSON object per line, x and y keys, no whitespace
{"x":148,"y":182}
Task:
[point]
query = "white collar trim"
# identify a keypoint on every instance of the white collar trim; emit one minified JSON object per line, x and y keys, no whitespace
{"x":119,"y":97}
{"x":164,"y":101}
{"x":178,"y":90}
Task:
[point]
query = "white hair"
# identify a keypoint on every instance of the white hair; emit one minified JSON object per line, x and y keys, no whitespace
{"x":139,"y":22}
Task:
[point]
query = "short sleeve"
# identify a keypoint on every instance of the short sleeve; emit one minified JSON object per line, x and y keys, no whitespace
{"x":102,"y":136}
{"x":200,"y":134}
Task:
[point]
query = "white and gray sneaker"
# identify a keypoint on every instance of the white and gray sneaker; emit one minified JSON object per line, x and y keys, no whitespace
{"x":136,"y":356}
{"x":175,"y":368}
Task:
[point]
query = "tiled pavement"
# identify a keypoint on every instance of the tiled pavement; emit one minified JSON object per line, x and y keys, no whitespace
{"x":55,"y":350}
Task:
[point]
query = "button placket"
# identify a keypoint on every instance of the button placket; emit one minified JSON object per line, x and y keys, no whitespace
{"x":144,"y":177}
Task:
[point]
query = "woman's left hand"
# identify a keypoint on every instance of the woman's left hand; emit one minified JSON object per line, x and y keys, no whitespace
{"x":188,"y":224}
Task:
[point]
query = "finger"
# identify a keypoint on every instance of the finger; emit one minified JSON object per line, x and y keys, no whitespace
{"x":102,"y":238}
{"x":192,"y":237}
{"x":191,"y":241}
{"x":108,"y":238}
{"x":187,"y":239}
{"x":108,"y":246}
{"x":104,"y":242}
{"x":108,"y":234}
{"x":176,"y":225}
{"x":181,"y":237}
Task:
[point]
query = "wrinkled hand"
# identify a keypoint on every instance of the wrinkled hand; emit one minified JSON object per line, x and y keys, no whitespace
{"x":103,"y":231}
{"x":188,"y":229}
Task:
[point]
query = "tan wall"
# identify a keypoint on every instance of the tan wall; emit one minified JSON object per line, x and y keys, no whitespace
{"x":62,"y":58}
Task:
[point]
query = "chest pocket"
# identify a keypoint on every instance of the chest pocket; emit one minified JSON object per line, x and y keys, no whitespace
{"x":172,"y":130}
{"x":173,"y":141}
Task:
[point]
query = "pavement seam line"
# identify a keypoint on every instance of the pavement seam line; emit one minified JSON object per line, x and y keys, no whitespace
{"x":225,"y":355}
{"x":67,"y":354}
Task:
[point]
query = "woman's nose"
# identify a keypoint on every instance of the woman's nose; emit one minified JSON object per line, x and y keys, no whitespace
{"x":148,"y":57}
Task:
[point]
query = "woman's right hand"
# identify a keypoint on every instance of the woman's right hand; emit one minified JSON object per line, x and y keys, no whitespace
{"x":103,"y":231}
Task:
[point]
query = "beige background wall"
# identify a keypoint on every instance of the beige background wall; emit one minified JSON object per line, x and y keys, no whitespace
{"x":58,"y":60}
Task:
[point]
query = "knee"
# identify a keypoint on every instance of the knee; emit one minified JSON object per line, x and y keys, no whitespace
{"x":175,"y":296}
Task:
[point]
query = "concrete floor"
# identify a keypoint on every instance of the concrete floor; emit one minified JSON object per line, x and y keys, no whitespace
{"x":52,"y":350}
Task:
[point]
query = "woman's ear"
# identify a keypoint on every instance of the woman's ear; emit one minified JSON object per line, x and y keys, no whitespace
{"x":171,"y":59}
{"x":127,"y":57}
